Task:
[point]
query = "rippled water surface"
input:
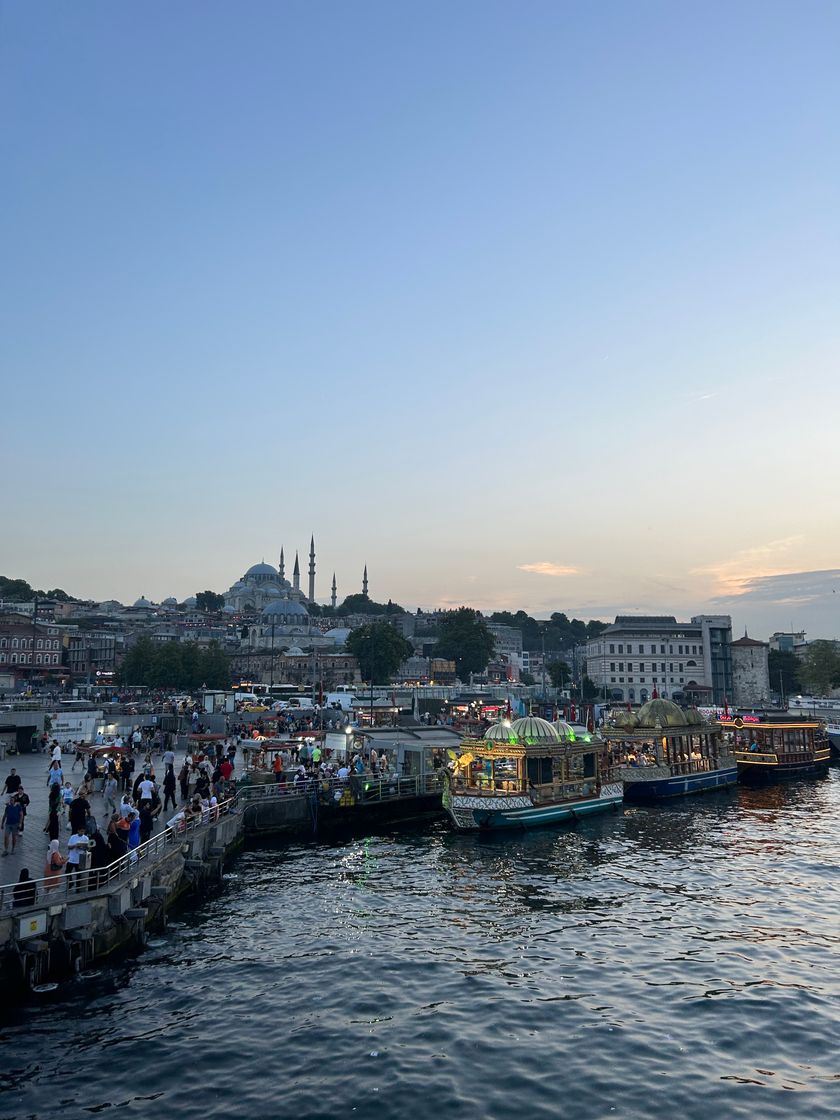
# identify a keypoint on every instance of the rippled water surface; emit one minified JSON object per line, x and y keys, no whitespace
{"x":668,"y":961}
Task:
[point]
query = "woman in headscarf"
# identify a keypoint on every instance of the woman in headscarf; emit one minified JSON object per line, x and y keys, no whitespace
{"x":53,"y":827}
{"x":25,"y":892}
{"x":54,"y":864}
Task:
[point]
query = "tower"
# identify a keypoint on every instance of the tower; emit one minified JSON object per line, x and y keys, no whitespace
{"x":296,"y":574}
{"x":312,"y":569}
{"x":365,"y":583}
{"x":282,"y":565}
{"x":333,"y":595}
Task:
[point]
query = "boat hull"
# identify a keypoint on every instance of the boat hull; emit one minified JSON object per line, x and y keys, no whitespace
{"x":679,"y":785}
{"x":483,"y":814}
{"x":754,"y":774}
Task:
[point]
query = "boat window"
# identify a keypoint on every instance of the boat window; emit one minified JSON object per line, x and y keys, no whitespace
{"x":539,"y":771}
{"x":504,"y":770}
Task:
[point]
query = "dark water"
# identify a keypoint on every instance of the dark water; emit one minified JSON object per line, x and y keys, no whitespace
{"x":667,"y":961}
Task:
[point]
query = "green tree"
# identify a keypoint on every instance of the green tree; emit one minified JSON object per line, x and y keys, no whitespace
{"x":785,"y":668}
{"x":379,"y":650}
{"x":820,"y":667}
{"x":209,"y":601}
{"x":527,"y":678}
{"x":463,"y":637}
{"x":361,"y":604}
{"x":560,"y":673}
{"x":215,"y":667}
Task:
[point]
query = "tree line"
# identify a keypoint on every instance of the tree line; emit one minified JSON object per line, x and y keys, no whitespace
{"x":185,"y":665}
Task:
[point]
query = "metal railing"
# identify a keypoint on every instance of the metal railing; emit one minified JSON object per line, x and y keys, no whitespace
{"x":362,"y":787}
{"x":68,"y":885}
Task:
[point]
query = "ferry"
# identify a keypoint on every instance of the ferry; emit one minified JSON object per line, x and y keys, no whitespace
{"x":527,"y":774}
{"x":665,"y":751}
{"x":772,"y":746}
{"x":826,"y":709}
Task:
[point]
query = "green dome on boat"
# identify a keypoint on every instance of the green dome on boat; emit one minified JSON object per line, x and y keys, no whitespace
{"x":532,"y":729}
{"x":662,"y":713}
{"x":565,"y":732}
{"x":501,"y":732}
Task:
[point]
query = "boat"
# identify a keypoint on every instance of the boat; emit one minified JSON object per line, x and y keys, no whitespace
{"x":527,"y":774}
{"x":664,"y":751}
{"x":774,"y":746}
{"x":825,"y":709}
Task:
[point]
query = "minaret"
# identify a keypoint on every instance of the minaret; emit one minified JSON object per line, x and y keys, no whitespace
{"x":312,"y":569}
{"x":296,"y":575}
{"x":282,"y":565}
{"x":333,"y":596}
{"x":365,"y":583}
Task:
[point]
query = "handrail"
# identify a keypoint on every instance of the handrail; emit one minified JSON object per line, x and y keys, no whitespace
{"x":362,"y":786}
{"x":74,"y":886}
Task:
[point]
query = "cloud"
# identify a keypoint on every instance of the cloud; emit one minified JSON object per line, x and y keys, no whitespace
{"x":786,"y":588}
{"x":546,"y":568}
{"x":735,"y":576}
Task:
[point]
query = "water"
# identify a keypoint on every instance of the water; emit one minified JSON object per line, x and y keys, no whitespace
{"x":679,"y":960}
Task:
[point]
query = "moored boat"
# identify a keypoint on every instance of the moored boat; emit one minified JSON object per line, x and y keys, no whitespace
{"x":774,"y":746}
{"x":528,"y":774}
{"x":665,"y":751}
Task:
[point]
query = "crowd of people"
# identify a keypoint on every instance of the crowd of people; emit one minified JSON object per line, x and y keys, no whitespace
{"x":136,"y":793}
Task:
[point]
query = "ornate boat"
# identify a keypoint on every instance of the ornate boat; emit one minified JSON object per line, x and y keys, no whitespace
{"x":664,"y":751}
{"x":527,"y":774}
{"x":775,"y":746}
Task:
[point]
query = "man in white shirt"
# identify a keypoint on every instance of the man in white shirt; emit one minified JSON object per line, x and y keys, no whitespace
{"x":56,"y":753}
{"x":76,"y":845}
{"x":137,"y":739}
{"x":169,"y":758}
{"x":147,"y":789}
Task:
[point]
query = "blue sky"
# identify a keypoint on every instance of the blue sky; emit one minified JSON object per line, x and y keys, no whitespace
{"x":524,"y":305}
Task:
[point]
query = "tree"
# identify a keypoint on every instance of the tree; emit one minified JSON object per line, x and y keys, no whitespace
{"x":175,"y":665}
{"x":209,"y":601}
{"x":560,"y":673}
{"x":821,"y":667}
{"x":526,"y":678}
{"x":361,"y":604}
{"x":785,"y":668}
{"x":379,"y":650}
{"x":463,"y":637}
{"x":19,"y":591}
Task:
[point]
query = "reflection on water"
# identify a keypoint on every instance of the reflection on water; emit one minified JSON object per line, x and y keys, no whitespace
{"x":663,"y":960}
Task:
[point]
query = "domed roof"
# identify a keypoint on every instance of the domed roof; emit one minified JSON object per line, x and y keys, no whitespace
{"x":500,"y":732}
{"x":170,"y":601}
{"x":564,"y":730}
{"x":142,"y":603}
{"x":190,"y":601}
{"x":271,"y":591}
{"x":285,"y":608}
{"x":662,"y":713}
{"x":261,"y":569}
{"x":294,"y":651}
{"x":532,"y":729}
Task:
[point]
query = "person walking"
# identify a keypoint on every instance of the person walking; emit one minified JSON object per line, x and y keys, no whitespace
{"x":77,"y":845}
{"x":12,"y":816}
{"x":110,"y":792}
{"x":55,"y":861}
{"x":169,"y":788}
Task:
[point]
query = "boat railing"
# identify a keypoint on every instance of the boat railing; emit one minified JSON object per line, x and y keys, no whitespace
{"x":67,"y":885}
{"x":363,"y":787}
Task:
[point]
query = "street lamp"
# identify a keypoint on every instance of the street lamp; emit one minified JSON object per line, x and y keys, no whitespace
{"x":348,"y":738}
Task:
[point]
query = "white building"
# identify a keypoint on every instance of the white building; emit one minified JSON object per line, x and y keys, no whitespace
{"x":640,"y":654}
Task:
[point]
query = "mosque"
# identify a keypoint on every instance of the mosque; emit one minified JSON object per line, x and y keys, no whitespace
{"x":264,"y":590}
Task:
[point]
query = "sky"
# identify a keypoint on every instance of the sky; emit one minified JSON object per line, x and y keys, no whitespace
{"x":523,"y":305}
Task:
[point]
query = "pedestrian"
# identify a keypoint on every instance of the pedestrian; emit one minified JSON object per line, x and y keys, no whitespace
{"x":25,"y":892}
{"x":110,"y":792}
{"x":169,"y":788}
{"x":78,"y":812}
{"x":56,"y":752}
{"x":184,"y":782}
{"x":76,"y":846}
{"x":147,"y":822}
{"x":53,"y":827}
{"x":12,"y":783}
{"x":24,"y":801}
{"x":12,"y":816}
{"x":55,"y":775}
{"x":53,"y":865}
{"x":133,"y":831}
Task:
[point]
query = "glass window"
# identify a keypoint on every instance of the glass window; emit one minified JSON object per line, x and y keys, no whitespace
{"x":612,"y":649}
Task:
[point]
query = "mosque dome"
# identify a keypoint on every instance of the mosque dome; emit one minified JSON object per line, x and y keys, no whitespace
{"x":170,"y":601}
{"x":339,"y":634}
{"x":261,"y":569}
{"x":143,"y":604}
{"x":285,"y":608}
{"x":500,"y":733}
{"x":532,"y":729}
{"x":294,"y":651}
{"x":661,"y":713}
{"x":190,"y":601}
{"x":271,"y":591}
